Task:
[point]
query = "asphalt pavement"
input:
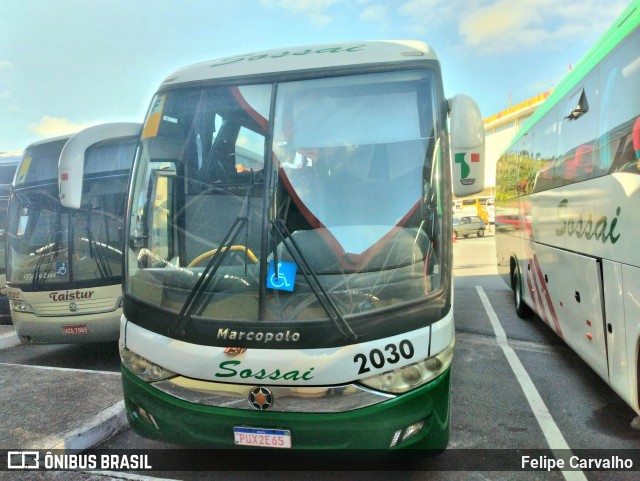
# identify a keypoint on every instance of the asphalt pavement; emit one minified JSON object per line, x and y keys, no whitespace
{"x":47,"y":408}
{"x":52,"y":408}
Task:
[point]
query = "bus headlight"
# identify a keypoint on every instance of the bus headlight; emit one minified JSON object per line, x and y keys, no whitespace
{"x":143,"y":368}
{"x":412,"y":376}
{"x":20,"y":305}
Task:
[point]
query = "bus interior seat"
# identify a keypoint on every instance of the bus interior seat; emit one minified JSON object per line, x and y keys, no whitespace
{"x":324,"y":259}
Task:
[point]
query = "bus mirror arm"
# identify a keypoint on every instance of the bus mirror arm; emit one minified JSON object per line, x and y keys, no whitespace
{"x":427,"y":207}
{"x":428,"y":198}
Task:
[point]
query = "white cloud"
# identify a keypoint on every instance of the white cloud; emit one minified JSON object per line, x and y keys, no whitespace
{"x":54,"y":126}
{"x":425,"y":15}
{"x":5,"y":64}
{"x":374,"y":13}
{"x":499,"y":26}
{"x":314,"y":10}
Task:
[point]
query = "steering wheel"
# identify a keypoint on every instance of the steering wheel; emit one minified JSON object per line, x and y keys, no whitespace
{"x":212,"y":252}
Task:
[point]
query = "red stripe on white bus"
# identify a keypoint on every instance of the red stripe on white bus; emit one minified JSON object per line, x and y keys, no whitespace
{"x":549,"y":302}
{"x":545,"y":304}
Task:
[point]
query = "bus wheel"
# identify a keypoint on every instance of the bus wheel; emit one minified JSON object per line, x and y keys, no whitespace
{"x":522,"y":309}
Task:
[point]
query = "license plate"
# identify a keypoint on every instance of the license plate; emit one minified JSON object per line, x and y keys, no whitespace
{"x":265,"y":438}
{"x":79,"y":329}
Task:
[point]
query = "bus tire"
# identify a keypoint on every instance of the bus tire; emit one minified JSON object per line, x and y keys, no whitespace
{"x":522,"y":309}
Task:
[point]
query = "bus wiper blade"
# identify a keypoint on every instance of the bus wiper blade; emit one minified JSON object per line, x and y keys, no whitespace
{"x":95,"y":252}
{"x":35,"y":282}
{"x":324,"y":299}
{"x":51,"y":251}
{"x":196,"y":296}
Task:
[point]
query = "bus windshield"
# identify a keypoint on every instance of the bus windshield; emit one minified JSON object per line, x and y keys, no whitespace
{"x":8,"y":166}
{"x":51,"y":247}
{"x":335,"y":216}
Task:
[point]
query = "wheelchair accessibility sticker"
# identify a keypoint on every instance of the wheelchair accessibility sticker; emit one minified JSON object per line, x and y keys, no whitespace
{"x":285,"y":277}
{"x":62,"y":269}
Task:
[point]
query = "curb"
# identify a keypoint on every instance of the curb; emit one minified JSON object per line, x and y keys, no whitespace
{"x":90,"y":433}
{"x":9,"y":340}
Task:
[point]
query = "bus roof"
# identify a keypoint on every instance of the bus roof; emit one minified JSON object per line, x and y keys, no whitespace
{"x":295,"y":59}
{"x":49,"y":140}
{"x":8,"y":158}
{"x":620,"y":28}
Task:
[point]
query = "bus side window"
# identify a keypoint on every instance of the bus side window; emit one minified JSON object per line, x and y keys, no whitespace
{"x":580,"y":166}
{"x":627,"y":158}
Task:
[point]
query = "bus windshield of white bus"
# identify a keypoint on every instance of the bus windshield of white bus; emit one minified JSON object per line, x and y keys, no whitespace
{"x":8,"y":164}
{"x":337,"y":216}
{"x":50,"y":246}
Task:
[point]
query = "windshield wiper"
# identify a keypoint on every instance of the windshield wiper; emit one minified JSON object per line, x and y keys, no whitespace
{"x":50,"y":250}
{"x":324,"y":299}
{"x":196,"y":296}
{"x":95,"y":250}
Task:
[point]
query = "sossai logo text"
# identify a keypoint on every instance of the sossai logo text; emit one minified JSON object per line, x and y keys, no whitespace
{"x":603,"y":230}
{"x":287,"y":53}
{"x":234,"y":369}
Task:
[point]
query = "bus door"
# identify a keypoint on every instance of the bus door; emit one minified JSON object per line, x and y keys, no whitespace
{"x":621,"y":287}
{"x":571,"y":304}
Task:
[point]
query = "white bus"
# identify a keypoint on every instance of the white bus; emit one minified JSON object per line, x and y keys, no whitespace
{"x":64,"y":264}
{"x":8,"y":163}
{"x":299,"y":296}
{"x":568,"y":192}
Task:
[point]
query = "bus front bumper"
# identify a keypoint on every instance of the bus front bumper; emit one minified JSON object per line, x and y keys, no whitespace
{"x":67,"y":330}
{"x":157,"y":415}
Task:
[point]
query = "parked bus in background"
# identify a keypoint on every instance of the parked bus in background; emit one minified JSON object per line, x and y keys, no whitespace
{"x":478,"y":206}
{"x":276,"y":299}
{"x":8,"y":163}
{"x":568,"y":191}
{"x":64,"y":264}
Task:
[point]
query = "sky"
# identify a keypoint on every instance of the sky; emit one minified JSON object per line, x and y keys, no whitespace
{"x":69,"y":64}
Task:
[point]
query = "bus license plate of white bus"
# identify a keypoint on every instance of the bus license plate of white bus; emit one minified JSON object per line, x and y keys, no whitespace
{"x":265,"y":438}
{"x":79,"y":329}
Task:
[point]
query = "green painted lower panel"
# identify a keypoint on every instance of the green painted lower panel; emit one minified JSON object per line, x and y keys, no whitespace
{"x":189,"y":424}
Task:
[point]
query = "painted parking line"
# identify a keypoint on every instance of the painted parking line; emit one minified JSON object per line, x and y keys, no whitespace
{"x":64,"y":369}
{"x":550,"y":429}
{"x":127,"y":476}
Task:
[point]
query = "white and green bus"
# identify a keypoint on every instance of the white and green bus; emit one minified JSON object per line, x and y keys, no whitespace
{"x":568,"y":191}
{"x":288,"y":273}
{"x":65,"y":235}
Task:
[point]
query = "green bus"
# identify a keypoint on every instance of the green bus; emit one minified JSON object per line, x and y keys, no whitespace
{"x":288,"y":272}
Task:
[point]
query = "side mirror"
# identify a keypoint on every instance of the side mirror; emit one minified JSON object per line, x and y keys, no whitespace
{"x":467,"y":146}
